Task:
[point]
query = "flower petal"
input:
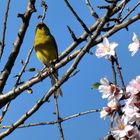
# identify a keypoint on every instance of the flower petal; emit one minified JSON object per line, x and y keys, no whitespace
{"x":100,"y":50}
{"x":135,"y":38}
{"x":104,"y":81}
{"x":133,"y":47}
{"x":106,"y":42}
{"x":113,"y":45}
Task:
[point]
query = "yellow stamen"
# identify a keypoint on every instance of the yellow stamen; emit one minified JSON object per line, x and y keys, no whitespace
{"x":107,"y":49}
{"x":121,"y":126}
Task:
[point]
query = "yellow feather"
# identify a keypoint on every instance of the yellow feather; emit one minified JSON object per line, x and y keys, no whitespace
{"x":46,"y":50}
{"x":45,"y":46}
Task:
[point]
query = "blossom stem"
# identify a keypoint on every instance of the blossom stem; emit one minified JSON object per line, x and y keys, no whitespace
{"x":120,"y":76}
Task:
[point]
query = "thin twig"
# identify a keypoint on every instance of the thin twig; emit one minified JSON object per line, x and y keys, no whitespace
{"x":122,"y":25}
{"x":4,"y":111}
{"x":55,"y":122}
{"x":119,"y":7}
{"x":120,"y":75}
{"x":130,"y":11}
{"x":45,"y":7}
{"x":121,"y":10}
{"x":72,"y":33}
{"x":92,"y":11}
{"x":112,"y":119}
{"x":74,"y":73}
{"x":77,"y":17}
{"x":58,"y":118}
{"x":113,"y":71}
{"x":24,"y":67}
{"x":2,"y":45}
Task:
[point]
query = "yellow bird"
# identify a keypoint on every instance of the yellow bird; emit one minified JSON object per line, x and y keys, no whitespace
{"x":46,"y":50}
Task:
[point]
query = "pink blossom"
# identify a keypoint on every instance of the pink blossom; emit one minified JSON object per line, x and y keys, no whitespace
{"x":114,"y":104}
{"x":134,"y":86}
{"x":123,"y":130}
{"x":132,"y":104}
{"x":132,"y":110}
{"x":111,"y":106}
{"x":133,"y":101}
{"x":104,"y":87}
{"x":109,"y":90}
{"x":105,"y":112}
{"x":134,"y":47}
{"x":105,"y":48}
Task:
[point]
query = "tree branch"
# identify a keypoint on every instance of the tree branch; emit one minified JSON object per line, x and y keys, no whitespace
{"x":55,"y":122}
{"x":23,"y":68}
{"x":78,"y":41}
{"x":77,"y":17}
{"x":58,"y":118}
{"x":14,"y":93}
{"x":84,"y":36}
{"x":2,"y":45}
{"x":17,"y":82}
{"x":130,"y":12}
{"x":120,"y":76}
{"x":17,"y":44}
{"x":58,"y":83}
{"x":92,"y":11}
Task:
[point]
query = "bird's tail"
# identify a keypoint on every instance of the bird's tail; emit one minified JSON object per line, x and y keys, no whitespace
{"x":54,"y":79}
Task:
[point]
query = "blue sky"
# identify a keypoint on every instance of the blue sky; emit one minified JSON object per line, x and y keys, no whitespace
{"x":78,"y":95}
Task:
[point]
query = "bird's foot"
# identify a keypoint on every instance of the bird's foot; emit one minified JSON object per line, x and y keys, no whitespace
{"x":48,"y":70}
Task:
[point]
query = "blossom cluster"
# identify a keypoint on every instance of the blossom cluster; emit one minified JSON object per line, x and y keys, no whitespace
{"x":129,"y":121}
{"x":126,"y":107}
{"x":106,"y":48}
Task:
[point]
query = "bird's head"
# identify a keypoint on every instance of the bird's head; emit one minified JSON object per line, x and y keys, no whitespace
{"x":42,"y":28}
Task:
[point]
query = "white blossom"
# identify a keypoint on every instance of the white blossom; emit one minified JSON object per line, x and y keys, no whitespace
{"x":106,"y":48}
{"x":135,"y":45}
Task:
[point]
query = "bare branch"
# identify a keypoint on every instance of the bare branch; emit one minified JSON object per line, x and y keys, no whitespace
{"x":58,"y":118}
{"x":130,"y":12}
{"x":77,"y":42}
{"x":14,"y":93}
{"x":2,"y":45}
{"x":11,"y":60}
{"x":24,"y":67}
{"x":55,"y":122}
{"x":4,"y":111}
{"x":120,"y":76}
{"x":45,"y":7}
{"x":123,"y":25}
{"x":119,"y":7}
{"x":121,"y":10}
{"x":77,"y":17}
{"x":113,"y":71}
{"x":92,"y":11}
{"x":85,"y":34}
{"x":40,"y":102}
{"x":17,"y":82}
{"x":72,"y":34}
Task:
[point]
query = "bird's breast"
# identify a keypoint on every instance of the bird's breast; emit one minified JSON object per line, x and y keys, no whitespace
{"x":45,"y":49}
